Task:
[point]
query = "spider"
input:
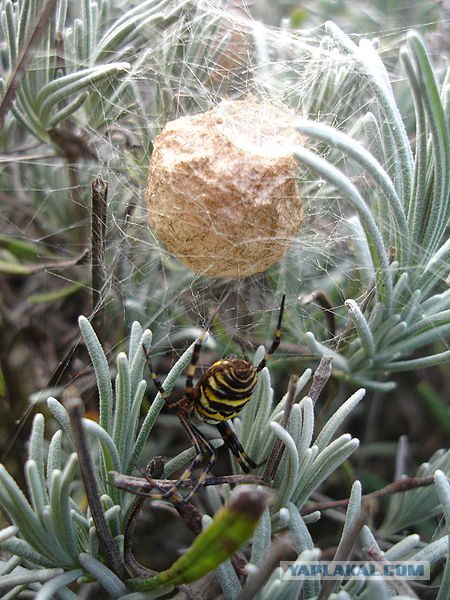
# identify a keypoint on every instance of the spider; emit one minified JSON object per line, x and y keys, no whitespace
{"x":218,"y":396}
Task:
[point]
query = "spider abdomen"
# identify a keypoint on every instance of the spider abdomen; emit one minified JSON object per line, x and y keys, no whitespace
{"x":225,"y":389}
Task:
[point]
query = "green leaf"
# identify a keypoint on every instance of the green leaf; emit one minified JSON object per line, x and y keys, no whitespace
{"x":436,"y":405}
{"x":11,"y":267}
{"x":63,"y":292}
{"x":21,"y":248}
{"x":231,"y":527}
{"x":2,"y":384}
{"x":297,"y":17}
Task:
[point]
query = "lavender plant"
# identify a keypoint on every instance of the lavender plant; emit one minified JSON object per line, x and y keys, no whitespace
{"x":399,"y":227}
{"x":83,"y":84}
{"x":94,"y":60}
{"x":304,"y":466}
{"x":53,"y":541}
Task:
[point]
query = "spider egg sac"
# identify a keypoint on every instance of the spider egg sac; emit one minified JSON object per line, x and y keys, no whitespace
{"x":222,"y":192}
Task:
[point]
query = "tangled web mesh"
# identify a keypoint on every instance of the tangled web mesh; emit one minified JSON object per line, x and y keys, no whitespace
{"x":208,"y":55}
{"x":198,"y":55}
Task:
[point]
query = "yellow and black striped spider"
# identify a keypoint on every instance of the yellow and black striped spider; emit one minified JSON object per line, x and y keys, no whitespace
{"x":219,"y":395}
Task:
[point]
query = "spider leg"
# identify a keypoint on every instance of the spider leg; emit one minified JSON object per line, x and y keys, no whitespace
{"x":194,"y":360}
{"x":156,"y":381}
{"x":201,"y":444}
{"x":193,"y":364}
{"x":208,"y":448}
{"x":233,"y":443}
{"x":153,"y":495}
{"x":276,"y":341}
{"x":197,"y":349}
{"x":203,"y":447}
{"x":244,"y":352}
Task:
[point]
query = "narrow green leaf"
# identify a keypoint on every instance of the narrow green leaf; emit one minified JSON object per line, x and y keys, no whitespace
{"x":66,"y":85}
{"x":38,"y":495}
{"x":2,"y":384}
{"x":36,"y":447}
{"x":419,"y":363}
{"x":21,"y":249}
{"x":230,"y":528}
{"x":291,"y":458}
{"x":27,"y":576}
{"x":19,"y":547}
{"x":134,"y":343}
{"x":60,"y":414}
{"x":436,"y":404}
{"x":337,"y":419}
{"x":123,"y":405}
{"x":14,"y":268}
{"x":54,"y":456}
{"x":362,"y":327}
{"x":136,"y":358}
{"x":110,"y":452}
{"x":53,"y":295}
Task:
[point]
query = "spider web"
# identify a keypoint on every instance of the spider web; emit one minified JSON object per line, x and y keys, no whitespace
{"x":207,"y":54}
{"x":214,"y":54}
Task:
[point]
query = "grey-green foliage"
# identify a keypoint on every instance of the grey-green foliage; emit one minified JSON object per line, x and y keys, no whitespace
{"x":306,"y":462}
{"x":372,"y":16}
{"x":53,"y":543}
{"x":88,"y":77}
{"x":409,"y":548}
{"x":140,"y":66}
{"x":86,"y":81}
{"x":408,"y":509}
{"x":308,"y":459}
{"x":396,"y":220}
{"x":406,"y":211}
{"x":52,"y":531}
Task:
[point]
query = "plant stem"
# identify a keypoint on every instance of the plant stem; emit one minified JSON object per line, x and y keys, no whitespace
{"x":21,"y":65}
{"x":321,"y":375}
{"x":276,"y":454}
{"x":280,"y":548}
{"x":98,"y":241}
{"x":402,"y":485}
{"x":107,"y":543}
